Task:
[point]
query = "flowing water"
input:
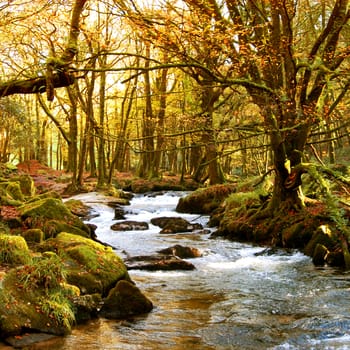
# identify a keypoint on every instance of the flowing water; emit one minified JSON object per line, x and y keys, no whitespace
{"x":234,"y":299}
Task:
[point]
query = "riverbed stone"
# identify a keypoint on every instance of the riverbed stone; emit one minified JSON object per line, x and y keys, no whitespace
{"x":29,"y":339}
{"x":181,"y":251}
{"x":205,"y":200}
{"x":158,"y":262}
{"x":175,"y":225}
{"x":130,"y":225}
{"x":119,"y":213}
{"x":125,"y":300}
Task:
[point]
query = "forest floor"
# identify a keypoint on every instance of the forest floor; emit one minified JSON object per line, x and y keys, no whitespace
{"x":46,"y":178}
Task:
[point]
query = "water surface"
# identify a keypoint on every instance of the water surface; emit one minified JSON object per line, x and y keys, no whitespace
{"x":234,"y":299}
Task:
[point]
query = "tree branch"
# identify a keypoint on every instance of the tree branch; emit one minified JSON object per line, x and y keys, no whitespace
{"x":59,"y":74}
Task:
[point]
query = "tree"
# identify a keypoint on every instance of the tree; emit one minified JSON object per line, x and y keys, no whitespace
{"x":260,"y":47}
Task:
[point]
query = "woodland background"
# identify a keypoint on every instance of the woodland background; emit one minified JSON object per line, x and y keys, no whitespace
{"x":178,"y":87}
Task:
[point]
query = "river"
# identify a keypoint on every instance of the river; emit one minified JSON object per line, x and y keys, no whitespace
{"x":234,"y":299}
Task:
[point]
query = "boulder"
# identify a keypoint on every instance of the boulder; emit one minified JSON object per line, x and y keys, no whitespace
{"x":86,"y":307}
{"x":205,"y":200}
{"x":119,"y":213}
{"x":91,"y":266}
{"x":78,"y":208}
{"x":129,"y":225}
{"x":14,"y":250}
{"x":125,"y":300}
{"x":52,"y":216}
{"x":323,"y":236}
{"x":33,"y":235}
{"x":26,"y":183}
{"x":182,"y":252}
{"x":157,"y":262}
{"x":175,"y":225}
{"x":34,"y":298}
{"x":10,"y":194}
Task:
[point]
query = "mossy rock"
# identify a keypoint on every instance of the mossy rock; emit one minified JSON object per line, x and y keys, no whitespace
{"x":205,"y":201}
{"x":77,"y":207}
{"x":10,"y":194}
{"x":297,"y":235}
{"x":319,"y":255}
{"x":86,"y":307}
{"x":52,"y":228}
{"x":33,"y":298}
{"x":14,"y":250}
{"x":91,"y":266}
{"x":15,"y":191}
{"x":323,"y":236}
{"x":48,"y":208}
{"x":38,"y":213}
{"x":125,"y":300}
{"x":33,"y":235}
{"x":27,"y":185}
{"x":48,"y":194}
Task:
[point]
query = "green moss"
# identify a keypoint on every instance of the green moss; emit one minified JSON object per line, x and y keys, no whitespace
{"x":236,"y":200}
{"x":34,"y":296}
{"x":14,"y":250}
{"x":47,"y":213}
{"x":323,"y":236}
{"x":77,"y":207}
{"x":26,"y":183}
{"x":48,"y":194}
{"x":205,"y":200}
{"x":33,"y":235}
{"x":49,"y":208}
{"x":10,"y":194}
{"x":14,"y":190}
{"x":52,"y":228}
{"x":91,"y":266}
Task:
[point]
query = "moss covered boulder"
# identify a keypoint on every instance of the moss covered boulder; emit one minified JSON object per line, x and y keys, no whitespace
{"x":13,"y":250}
{"x":91,"y":266}
{"x":27,"y":185}
{"x":34,"y":298}
{"x":52,"y":216}
{"x":10,"y":193}
{"x":33,"y":235}
{"x":205,"y":200}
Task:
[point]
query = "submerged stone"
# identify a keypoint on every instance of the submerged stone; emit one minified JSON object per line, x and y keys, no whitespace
{"x":129,"y":225}
{"x":158,"y":262}
{"x":175,"y":225}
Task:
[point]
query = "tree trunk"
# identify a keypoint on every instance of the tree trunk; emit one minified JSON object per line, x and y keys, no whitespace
{"x":209,"y":96}
{"x":146,"y":159}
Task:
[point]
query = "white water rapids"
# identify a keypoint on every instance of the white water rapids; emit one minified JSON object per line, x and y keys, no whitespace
{"x":234,"y":299}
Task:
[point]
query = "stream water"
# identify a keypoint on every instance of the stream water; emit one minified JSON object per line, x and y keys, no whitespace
{"x":234,"y":299}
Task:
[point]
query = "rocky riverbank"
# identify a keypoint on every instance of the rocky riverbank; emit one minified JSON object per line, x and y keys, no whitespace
{"x":54,"y":275}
